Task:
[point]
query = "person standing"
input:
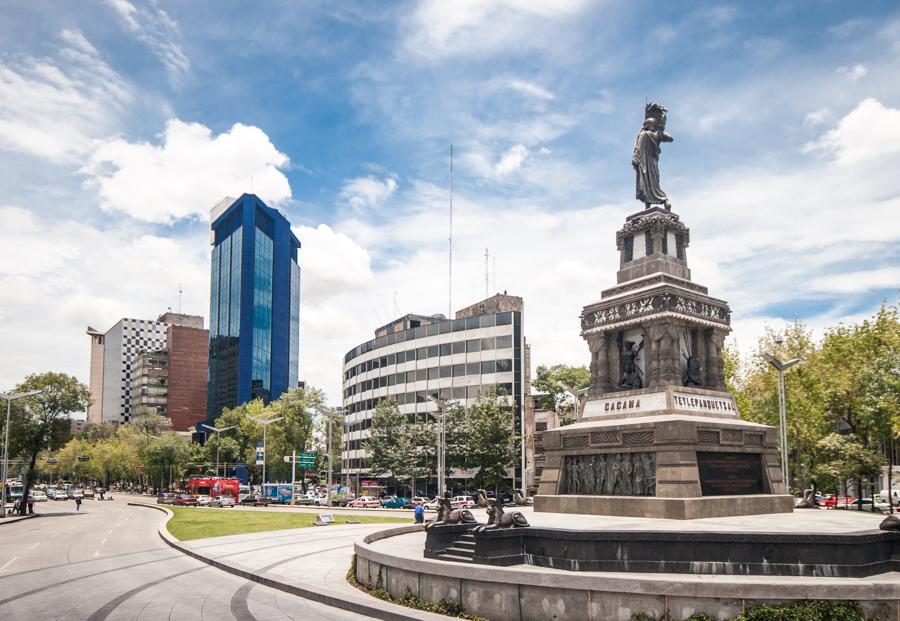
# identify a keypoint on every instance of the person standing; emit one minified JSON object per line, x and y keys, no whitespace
{"x":78,"y":504}
{"x":30,"y":504}
{"x":419,"y":512}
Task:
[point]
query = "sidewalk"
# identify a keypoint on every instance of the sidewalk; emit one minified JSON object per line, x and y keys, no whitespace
{"x":309,"y":562}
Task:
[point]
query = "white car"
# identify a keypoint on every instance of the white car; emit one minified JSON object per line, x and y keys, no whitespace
{"x":461,"y":501}
{"x":39,"y":496}
{"x":60,"y":495}
{"x":222,"y":501}
{"x":203,"y":500}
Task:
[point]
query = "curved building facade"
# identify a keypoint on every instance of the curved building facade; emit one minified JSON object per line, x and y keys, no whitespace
{"x":416,"y":355}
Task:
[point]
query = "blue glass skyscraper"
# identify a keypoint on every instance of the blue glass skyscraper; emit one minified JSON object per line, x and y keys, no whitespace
{"x":254,"y":317}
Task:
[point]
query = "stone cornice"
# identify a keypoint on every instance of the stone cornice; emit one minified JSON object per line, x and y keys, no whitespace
{"x":654,"y":221}
{"x":663,"y":303}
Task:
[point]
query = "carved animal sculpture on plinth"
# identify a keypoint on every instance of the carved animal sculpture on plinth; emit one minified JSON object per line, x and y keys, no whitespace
{"x":498,"y":518}
{"x":447,"y":515}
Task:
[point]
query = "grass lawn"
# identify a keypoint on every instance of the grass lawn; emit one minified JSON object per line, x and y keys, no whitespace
{"x":191,"y":523}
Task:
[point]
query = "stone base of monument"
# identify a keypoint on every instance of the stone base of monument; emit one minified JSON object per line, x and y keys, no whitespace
{"x":677,"y":453}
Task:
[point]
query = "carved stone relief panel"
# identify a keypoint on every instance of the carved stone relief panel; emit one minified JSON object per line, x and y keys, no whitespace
{"x":611,"y":474}
{"x":575,"y":441}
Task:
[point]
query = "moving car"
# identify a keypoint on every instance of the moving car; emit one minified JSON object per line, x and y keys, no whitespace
{"x":432,"y":505}
{"x":185,"y":500}
{"x":39,"y":496}
{"x":867,"y":505}
{"x":415,"y":501}
{"x":77,"y":493}
{"x":165,"y":499}
{"x":462,"y":501}
{"x":365,"y":502}
{"x":88,"y":492}
{"x":203,"y":500}
{"x":222,"y":501}
{"x":255,"y":501}
{"x":60,"y":495}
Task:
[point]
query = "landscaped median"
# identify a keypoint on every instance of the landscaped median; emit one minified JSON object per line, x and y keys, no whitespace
{"x":191,"y":523}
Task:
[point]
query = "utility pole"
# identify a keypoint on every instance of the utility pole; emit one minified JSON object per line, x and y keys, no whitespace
{"x":293,"y":476}
{"x":265,"y":422}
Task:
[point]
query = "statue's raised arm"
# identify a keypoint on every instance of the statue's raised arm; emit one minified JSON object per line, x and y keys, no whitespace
{"x":645,"y":158}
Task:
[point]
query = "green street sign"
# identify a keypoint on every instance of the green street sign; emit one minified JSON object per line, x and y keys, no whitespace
{"x":307,"y":459}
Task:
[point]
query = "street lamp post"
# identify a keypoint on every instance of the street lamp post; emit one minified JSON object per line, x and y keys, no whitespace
{"x":330,"y":415}
{"x":578,"y":395}
{"x":781,"y":367}
{"x":441,"y":441}
{"x":10,"y":397}
{"x":218,"y":430}
{"x":265,"y":422}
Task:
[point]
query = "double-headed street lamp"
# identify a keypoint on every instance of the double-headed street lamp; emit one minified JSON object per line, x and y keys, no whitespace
{"x":330,"y":414}
{"x":579,"y":395}
{"x":10,"y":397}
{"x":441,"y":417}
{"x":265,"y":422}
{"x":781,"y":367}
{"x":218,"y":430}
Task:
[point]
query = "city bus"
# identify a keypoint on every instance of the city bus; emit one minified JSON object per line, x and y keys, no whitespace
{"x":214,"y":486}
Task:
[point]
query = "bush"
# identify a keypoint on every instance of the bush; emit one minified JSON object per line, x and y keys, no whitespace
{"x":806,"y":611}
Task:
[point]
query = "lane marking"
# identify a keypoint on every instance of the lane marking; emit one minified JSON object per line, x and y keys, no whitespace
{"x":110,"y":531}
{"x":97,"y":553}
{"x":34,"y":545}
{"x":8,"y":563}
{"x":103,"y":541}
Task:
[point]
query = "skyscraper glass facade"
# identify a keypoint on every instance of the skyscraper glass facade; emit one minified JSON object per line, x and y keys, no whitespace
{"x":254,"y":332}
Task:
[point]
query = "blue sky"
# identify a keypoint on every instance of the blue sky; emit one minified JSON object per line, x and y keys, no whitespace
{"x":122,"y":123}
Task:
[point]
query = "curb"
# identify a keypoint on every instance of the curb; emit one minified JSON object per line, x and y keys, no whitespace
{"x":12,"y":519}
{"x":386,"y":611}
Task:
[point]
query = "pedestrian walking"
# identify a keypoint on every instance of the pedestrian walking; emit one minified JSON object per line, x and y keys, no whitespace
{"x":78,"y":504}
{"x":420,"y":513}
{"x":31,"y":504}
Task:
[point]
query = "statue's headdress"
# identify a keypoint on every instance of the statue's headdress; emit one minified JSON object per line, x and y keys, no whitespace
{"x":656,"y":111}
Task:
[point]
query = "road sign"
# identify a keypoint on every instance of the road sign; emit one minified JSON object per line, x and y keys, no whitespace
{"x":260,"y":454}
{"x":84,"y":457}
{"x":304,"y":460}
{"x":52,"y":461}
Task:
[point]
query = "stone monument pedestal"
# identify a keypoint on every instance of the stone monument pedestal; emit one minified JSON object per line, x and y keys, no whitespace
{"x":660,"y":435}
{"x":698,"y":459}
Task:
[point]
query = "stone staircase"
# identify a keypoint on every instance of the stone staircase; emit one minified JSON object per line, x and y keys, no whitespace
{"x":462,"y":550}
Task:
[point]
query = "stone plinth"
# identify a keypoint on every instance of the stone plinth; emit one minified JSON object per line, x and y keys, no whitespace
{"x":678,"y":453}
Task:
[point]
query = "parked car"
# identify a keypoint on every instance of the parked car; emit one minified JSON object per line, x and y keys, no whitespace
{"x":39,"y":496}
{"x":203,"y":500}
{"x":165,"y":499}
{"x":394,"y":502}
{"x":867,"y":505}
{"x":462,"y":502}
{"x":255,"y":501}
{"x":60,"y":495}
{"x":414,"y":502}
{"x":88,"y":492}
{"x":432,"y":505}
{"x":185,"y":500}
{"x":221,"y":501}
{"x":77,"y":493}
{"x":367,"y":502}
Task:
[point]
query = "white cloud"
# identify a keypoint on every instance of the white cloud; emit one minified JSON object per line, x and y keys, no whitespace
{"x":471,"y":27}
{"x":857,"y":281}
{"x":54,"y":108}
{"x":869,"y":131}
{"x":188,"y":173}
{"x":153,"y":27}
{"x":531,"y":89}
{"x":817,"y":117}
{"x":367,"y":192}
{"x":511,"y":161}
{"x":58,"y":276}
{"x":853,"y":73}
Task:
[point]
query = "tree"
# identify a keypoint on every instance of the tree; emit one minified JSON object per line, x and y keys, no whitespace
{"x":166,"y":458}
{"x":490,"y":442}
{"x":549,"y":380}
{"x":391,"y":447}
{"x":43,"y":416}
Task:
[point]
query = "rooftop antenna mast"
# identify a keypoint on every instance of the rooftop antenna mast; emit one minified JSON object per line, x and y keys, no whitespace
{"x":180,"y":292}
{"x":450,"y":240}
{"x":486,"y":272}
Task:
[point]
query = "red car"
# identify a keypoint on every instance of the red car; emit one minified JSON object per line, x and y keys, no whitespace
{"x":185,"y":500}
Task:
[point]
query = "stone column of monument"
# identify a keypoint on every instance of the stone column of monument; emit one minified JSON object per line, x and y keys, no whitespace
{"x":658,"y":395}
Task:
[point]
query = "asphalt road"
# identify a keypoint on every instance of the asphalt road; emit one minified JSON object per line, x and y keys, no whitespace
{"x":108,"y":562}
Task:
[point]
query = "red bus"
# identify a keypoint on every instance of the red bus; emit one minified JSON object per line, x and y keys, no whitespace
{"x":214,"y":486}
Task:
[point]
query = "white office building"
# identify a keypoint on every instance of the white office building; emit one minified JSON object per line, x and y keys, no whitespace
{"x":418,"y":355}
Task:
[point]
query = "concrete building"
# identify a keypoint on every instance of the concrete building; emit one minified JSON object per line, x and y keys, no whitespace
{"x":114,"y":355}
{"x":149,"y":382}
{"x":188,"y":348}
{"x":538,"y":419}
{"x":417,"y":355}
{"x":254,"y":324}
